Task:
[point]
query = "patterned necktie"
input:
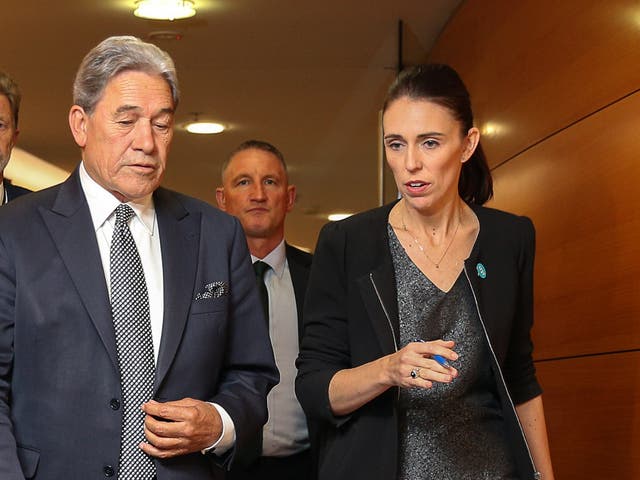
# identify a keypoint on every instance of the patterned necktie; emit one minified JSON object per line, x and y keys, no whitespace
{"x":261,"y":268}
{"x":132,"y":324}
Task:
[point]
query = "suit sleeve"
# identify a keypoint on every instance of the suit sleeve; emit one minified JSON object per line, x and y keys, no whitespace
{"x":519,"y":369}
{"x":249,"y":370}
{"x":325,"y":345}
{"x":10,"y":468}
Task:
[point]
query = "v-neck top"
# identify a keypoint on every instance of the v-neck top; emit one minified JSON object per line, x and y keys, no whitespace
{"x":451,"y":431}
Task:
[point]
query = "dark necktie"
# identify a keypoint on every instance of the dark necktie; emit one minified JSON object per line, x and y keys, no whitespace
{"x":132,"y":324}
{"x":261,"y":268}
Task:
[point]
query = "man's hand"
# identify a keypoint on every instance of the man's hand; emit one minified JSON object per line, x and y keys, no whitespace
{"x":180,"y":427}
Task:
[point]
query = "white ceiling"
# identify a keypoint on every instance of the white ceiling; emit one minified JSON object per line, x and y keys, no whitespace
{"x":307,"y":77}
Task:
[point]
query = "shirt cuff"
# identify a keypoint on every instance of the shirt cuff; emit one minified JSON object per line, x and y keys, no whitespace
{"x":228,"y":436}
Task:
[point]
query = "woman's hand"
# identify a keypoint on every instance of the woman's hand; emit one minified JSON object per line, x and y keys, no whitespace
{"x":414,"y":365}
{"x":351,"y":388}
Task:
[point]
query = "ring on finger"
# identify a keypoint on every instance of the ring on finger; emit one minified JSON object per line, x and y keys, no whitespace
{"x":415,"y":373}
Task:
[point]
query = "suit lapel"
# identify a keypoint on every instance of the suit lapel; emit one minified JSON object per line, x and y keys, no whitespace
{"x":179,"y":237}
{"x":69,"y":222}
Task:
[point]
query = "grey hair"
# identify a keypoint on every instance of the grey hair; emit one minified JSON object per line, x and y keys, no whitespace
{"x":113,"y":56}
{"x":256,"y":145}
{"x":9,"y":88}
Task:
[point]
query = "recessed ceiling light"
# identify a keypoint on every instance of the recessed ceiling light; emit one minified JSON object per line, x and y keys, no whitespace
{"x":334,"y":217}
{"x":205,"y":128}
{"x":165,"y":9}
{"x":164,"y":35}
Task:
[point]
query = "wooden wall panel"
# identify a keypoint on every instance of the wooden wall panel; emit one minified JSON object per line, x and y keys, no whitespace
{"x":580,"y":189}
{"x":592,"y":407}
{"x":561,"y":81}
{"x":534,"y":67}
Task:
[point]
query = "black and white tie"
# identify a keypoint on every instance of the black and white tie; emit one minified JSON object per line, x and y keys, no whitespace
{"x":132,"y":324}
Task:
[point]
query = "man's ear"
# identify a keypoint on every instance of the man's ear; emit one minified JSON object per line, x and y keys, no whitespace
{"x":14,"y":139}
{"x":78,"y":124}
{"x":222,"y":203}
{"x":291,"y":197}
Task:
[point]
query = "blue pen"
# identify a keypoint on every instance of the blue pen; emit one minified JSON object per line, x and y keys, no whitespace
{"x":439,"y":358}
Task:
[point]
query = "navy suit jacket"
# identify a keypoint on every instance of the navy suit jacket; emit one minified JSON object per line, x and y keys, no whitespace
{"x":59,"y":379}
{"x":14,"y":191}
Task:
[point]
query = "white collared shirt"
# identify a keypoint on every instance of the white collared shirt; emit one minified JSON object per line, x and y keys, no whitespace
{"x":285,"y":432}
{"x":144,"y":230}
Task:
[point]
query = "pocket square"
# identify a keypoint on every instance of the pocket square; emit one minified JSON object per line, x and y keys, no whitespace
{"x":213,"y":290}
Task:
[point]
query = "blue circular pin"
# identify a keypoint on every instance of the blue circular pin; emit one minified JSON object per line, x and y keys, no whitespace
{"x":482,"y":272}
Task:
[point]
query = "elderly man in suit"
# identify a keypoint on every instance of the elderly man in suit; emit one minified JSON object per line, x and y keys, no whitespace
{"x":256,"y":190}
{"x":132,"y":341}
{"x":9,"y":109}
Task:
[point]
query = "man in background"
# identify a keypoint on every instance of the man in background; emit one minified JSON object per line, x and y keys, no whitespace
{"x":9,"y":110}
{"x":132,"y":342}
{"x":255,"y":189}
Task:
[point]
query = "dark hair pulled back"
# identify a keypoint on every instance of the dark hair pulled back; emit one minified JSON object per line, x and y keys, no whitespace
{"x":442,"y":85}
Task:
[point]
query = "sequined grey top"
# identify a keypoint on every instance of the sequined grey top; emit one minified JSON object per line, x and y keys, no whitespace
{"x":452,"y":431}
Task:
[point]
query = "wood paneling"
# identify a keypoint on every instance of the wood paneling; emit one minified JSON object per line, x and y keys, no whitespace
{"x":534,"y":67}
{"x":580,"y":189}
{"x":592,"y":408}
{"x":561,"y":82}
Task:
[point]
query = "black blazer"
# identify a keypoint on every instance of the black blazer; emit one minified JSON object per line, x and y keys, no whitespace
{"x":299,"y":267}
{"x":59,"y":376}
{"x":351,"y":318}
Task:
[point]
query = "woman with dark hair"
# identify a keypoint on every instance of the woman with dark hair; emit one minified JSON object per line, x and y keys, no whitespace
{"x":416,"y":352}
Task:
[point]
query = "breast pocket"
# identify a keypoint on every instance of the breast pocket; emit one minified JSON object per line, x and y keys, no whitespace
{"x":209,"y":305}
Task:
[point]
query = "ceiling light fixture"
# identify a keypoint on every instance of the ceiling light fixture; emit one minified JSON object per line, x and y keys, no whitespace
{"x":204,"y":128}
{"x":165,"y":9}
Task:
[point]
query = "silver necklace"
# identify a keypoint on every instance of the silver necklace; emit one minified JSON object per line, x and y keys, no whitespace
{"x":421,"y":248}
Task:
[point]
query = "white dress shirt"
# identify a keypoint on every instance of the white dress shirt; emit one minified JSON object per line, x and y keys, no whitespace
{"x":144,"y":230}
{"x":285,"y":433}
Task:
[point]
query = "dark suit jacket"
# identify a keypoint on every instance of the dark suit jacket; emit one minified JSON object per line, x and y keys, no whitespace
{"x":58,"y":363}
{"x":299,"y":263}
{"x":299,"y":266}
{"x":351,"y":318}
{"x":14,"y":191}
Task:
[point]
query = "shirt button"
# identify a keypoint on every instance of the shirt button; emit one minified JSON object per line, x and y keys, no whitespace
{"x":114,"y":404}
{"x":108,"y":471}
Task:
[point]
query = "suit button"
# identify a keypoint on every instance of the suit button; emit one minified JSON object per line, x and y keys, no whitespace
{"x":108,"y":471}
{"x":114,"y":404}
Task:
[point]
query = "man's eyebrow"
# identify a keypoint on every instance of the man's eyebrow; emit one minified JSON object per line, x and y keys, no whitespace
{"x":237,"y":177}
{"x":128,"y":108}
